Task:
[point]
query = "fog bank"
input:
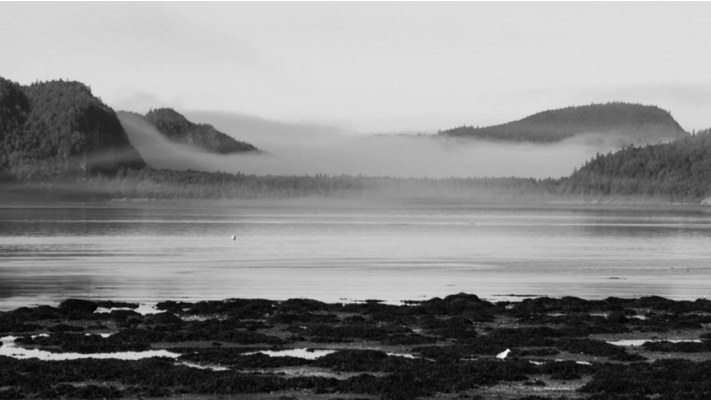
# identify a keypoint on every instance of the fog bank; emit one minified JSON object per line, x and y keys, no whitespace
{"x":309,"y":149}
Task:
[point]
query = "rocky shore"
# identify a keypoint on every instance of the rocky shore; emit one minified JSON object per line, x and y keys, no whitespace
{"x":567,"y":348}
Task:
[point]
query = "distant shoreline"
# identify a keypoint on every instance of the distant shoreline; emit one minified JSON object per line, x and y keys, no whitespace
{"x":338,"y":203}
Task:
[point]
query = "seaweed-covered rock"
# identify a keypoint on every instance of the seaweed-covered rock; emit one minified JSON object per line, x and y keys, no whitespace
{"x":65,"y":328}
{"x":541,"y":352}
{"x":80,"y":343}
{"x":11,"y":327}
{"x":235,"y":308}
{"x":666,"y":379}
{"x":11,"y":394}
{"x":27,"y":314}
{"x":344,"y":333}
{"x":243,"y":358}
{"x":108,"y":304}
{"x":82,"y":392}
{"x":353,"y":360}
{"x":409,"y":339}
{"x":597,"y":348}
{"x":78,"y":305}
{"x":616,"y":318}
{"x":306,"y":317}
{"x":163,"y":318}
{"x":124,"y":315}
{"x":304,"y":305}
{"x":678,"y":347}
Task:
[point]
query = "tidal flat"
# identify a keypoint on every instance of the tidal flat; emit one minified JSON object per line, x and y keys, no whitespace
{"x":445,"y":348}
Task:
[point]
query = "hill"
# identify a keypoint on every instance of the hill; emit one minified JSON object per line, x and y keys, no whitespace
{"x":623,"y":122}
{"x":204,"y":136}
{"x":58,"y":128}
{"x":679,"y":169}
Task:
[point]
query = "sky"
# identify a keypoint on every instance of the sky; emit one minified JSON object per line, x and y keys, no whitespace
{"x":369,"y":67}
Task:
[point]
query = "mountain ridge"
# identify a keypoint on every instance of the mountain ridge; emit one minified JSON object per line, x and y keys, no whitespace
{"x":177,"y":128}
{"x":628,"y":122}
{"x":59,"y":128}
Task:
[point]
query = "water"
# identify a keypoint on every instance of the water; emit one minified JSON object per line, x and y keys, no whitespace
{"x":8,"y":349}
{"x":299,"y":353}
{"x":160,"y":251}
{"x":641,"y":342}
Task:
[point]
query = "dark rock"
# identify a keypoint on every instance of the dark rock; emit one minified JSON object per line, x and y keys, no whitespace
{"x":237,"y":359}
{"x":597,"y":348}
{"x":78,"y":305}
{"x":616,"y":318}
{"x":544,"y":352}
{"x":306,"y":317}
{"x":163,"y":318}
{"x":303,"y":305}
{"x":26,"y":314}
{"x":11,"y":394}
{"x":116,"y":304}
{"x":679,"y":347}
{"x":124,"y":315}
{"x":18,"y":328}
{"x":65,"y":328}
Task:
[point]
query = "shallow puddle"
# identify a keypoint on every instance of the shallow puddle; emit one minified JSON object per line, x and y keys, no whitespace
{"x":313,"y":354}
{"x":9,"y":349}
{"x":298,"y":353}
{"x":558,"y":360}
{"x":404,"y":355}
{"x":199,"y":366}
{"x":640,"y":342}
{"x":143,"y":309}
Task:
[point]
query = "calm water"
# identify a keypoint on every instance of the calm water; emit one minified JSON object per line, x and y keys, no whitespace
{"x":153,"y":253}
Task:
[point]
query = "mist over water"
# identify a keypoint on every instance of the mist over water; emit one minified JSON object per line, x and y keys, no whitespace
{"x":309,"y":149}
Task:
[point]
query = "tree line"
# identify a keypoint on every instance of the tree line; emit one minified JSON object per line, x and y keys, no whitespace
{"x":51,"y":130}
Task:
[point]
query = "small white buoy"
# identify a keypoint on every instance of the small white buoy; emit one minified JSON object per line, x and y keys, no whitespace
{"x":503,"y":355}
{"x":234,"y":237}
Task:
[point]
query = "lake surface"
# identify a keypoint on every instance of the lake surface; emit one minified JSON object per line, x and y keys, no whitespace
{"x":157,"y":252}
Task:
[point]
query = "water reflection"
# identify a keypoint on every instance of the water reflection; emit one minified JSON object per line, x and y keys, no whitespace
{"x":155,"y":253}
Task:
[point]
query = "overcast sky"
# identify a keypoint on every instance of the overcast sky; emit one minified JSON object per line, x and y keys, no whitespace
{"x":369,"y":67}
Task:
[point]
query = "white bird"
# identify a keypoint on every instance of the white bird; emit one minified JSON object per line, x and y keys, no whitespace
{"x":503,"y":355}
{"x":234,"y":237}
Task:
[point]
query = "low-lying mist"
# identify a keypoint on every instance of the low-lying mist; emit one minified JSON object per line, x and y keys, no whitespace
{"x":306,"y":149}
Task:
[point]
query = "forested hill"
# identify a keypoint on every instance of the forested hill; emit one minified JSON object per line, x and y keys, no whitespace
{"x":204,"y":136}
{"x":628,"y":123}
{"x":679,"y":169}
{"x":58,"y":128}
